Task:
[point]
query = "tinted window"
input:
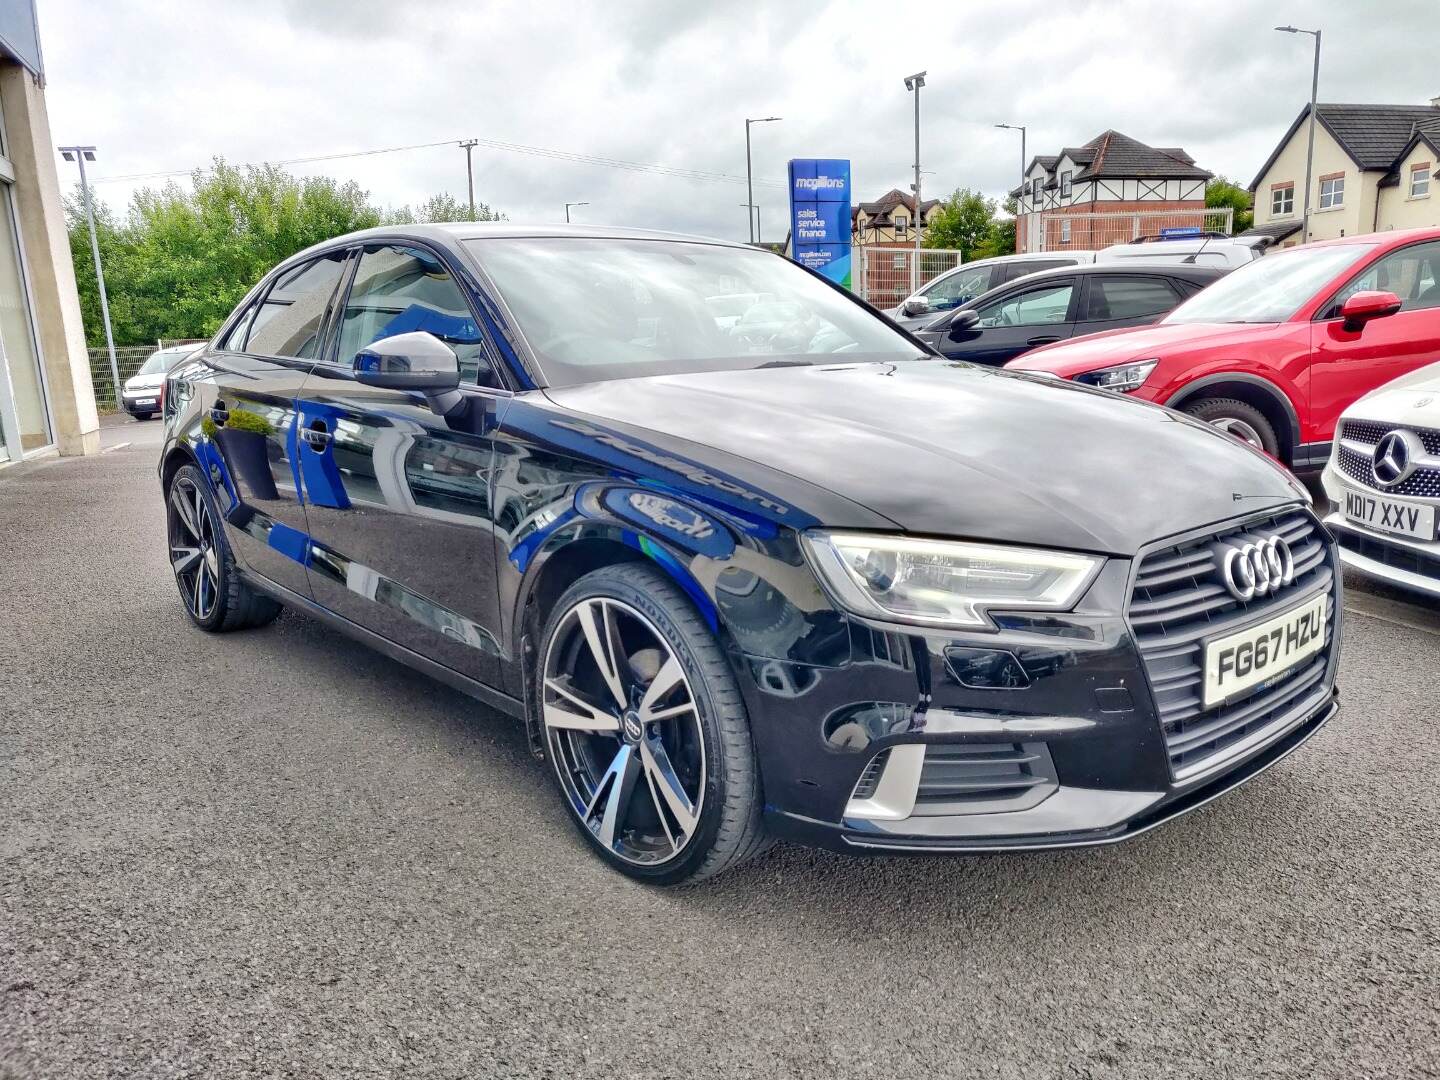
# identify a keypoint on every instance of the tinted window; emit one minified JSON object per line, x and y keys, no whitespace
{"x":1412,"y":274}
{"x":288,"y":321}
{"x":1029,"y":307}
{"x":400,"y":289}
{"x":235,"y":340}
{"x":1034,"y":266}
{"x":959,"y":288}
{"x":601,"y":308}
{"x":1128,"y":297}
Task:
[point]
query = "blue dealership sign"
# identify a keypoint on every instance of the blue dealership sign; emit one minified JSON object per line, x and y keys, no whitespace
{"x":820,"y":216}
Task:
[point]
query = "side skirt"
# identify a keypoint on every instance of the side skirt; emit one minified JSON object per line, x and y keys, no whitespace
{"x":466,"y":685}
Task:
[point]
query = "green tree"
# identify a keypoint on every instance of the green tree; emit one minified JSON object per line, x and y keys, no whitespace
{"x":1000,"y":240}
{"x":442,"y":207}
{"x":963,"y":221}
{"x":1221,"y":192}
{"x":181,"y":259}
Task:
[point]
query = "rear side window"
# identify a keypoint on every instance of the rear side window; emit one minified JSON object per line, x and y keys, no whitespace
{"x":1116,"y":297}
{"x":1034,"y":266}
{"x":288,"y":322}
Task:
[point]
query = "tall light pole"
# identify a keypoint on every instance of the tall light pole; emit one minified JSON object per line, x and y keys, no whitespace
{"x":567,"y":209}
{"x":749,"y":174}
{"x":468,"y":145}
{"x":1310,"y":148}
{"x":80,"y":155}
{"x":1023,"y":162}
{"x":915,"y":82}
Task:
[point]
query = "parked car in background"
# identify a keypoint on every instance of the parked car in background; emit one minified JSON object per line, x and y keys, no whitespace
{"x":1276,"y":349}
{"x":1215,"y":249}
{"x":956,"y":288}
{"x":1058,"y":304}
{"x":140,"y":396}
{"x":1383,"y":479}
{"x":838,"y":590}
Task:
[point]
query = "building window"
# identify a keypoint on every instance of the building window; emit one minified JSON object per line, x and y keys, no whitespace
{"x":1420,"y":180}
{"x":1282,"y":200}
{"x":1065,"y":231}
{"x":1332,"y":192}
{"x":901,"y":225}
{"x":1065,"y":184}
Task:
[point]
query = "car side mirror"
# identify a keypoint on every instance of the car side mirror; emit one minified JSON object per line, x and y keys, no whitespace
{"x":1366,"y":305}
{"x":964,"y":321}
{"x":916,"y":305}
{"x":417,"y":361}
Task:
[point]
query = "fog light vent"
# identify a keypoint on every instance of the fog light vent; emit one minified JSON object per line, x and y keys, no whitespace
{"x":870,"y":778}
{"x":979,"y":778}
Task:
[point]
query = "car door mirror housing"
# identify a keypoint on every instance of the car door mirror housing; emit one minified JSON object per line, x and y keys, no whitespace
{"x":417,"y":361}
{"x":1366,"y":305}
{"x":915,"y":305}
{"x":964,"y":321}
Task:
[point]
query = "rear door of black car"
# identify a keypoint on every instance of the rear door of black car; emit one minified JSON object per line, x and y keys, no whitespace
{"x":397,"y":497}
{"x":258,"y":370}
{"x":1113,"y":301}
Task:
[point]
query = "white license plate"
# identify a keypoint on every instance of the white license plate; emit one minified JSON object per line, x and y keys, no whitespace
{"x":1243,"y":660}
{"x":1390,"y":515}
{"x":145,"y":401}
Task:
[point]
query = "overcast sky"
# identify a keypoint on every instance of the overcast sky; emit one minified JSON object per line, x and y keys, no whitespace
{"x":169,"y":85}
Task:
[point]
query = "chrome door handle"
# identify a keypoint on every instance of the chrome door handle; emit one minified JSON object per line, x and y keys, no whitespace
{"x":219,"y":414}
{"x":316,"y":436}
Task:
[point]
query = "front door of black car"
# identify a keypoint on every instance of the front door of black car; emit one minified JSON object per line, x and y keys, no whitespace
{"x":397,"y":497}
{"x":1113,"y":301}
{"x":250,"y":420}
{"x":1014,"y":323}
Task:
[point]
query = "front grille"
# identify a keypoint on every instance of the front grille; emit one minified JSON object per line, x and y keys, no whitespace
{"x":1179,"y":601}
{"x":977,"y":778}
{"x":1396,"y":555}
{"x":1355,"y":463}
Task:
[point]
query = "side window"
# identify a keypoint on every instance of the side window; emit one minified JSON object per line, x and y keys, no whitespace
{"x":235,"y":340}
{"x":1128,"y":297}
{"x":1412,"y":274}
{"x":959,"y":288}
{"x":1034,"y":266}
{"x":400,"y":289}
{"x":288,"y":322}
{"x":1033,"y":307}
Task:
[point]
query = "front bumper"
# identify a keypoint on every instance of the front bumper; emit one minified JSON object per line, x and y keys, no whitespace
{"x":1400,"y":561}
{"x":132,"y":403}
{"x":1088,"y":735}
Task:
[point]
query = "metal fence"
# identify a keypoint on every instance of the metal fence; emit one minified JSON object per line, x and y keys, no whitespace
{"x":884,"y":277}
{"x":128,"y":359}
{"x":1059,"y":231}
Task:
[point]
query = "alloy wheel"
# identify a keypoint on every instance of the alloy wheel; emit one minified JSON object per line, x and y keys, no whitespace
{"x":193,"y":554}
{"x":623,"y":731}
{"x":1240,"y":429}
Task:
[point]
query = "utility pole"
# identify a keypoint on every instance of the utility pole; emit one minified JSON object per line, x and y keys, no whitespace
{"x":80,"y":155}
{"x":914,"y":83}
{"x":567,"y":209}
{"x":469,"y":145}
{"x":1310,"y":148}
{"x":750,"y":218}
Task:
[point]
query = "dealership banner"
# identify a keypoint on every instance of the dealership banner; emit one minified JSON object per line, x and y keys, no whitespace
{"x":820,"y":216}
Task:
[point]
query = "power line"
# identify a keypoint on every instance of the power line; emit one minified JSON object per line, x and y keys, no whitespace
{"x":697,"y":175}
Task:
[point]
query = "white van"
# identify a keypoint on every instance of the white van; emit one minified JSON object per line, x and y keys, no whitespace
{"x":1214,"y":249}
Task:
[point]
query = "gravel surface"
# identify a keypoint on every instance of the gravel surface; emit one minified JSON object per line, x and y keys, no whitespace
{"x":278,"y":854}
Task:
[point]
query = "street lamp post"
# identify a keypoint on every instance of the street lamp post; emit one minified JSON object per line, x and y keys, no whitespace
{"x":1023,"y":162}
{"x":469,"y":145}
{"x":914,"y":83}
{"x":755,"y":212}
{"x":1310,"y":147}
{"x":567,"y":209}
{"x":80,"y":155}
{"x":750,"y":176}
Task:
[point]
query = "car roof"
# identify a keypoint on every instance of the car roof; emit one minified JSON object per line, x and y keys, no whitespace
{"x":452,"y":231}
{"x":1390,"y":238}
{"x":1174,"y":269}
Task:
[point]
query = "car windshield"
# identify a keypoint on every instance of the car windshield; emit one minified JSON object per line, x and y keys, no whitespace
{"x":599,"y":309}
{"x":164,"y":360}
{"x":1271,"y":289}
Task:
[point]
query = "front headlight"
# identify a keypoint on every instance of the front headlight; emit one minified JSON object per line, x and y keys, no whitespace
{"x":944,"y":582}
{"x":1122,"y":378}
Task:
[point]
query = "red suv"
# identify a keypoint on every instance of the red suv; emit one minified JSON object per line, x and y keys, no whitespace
{"x":1273,"y":351}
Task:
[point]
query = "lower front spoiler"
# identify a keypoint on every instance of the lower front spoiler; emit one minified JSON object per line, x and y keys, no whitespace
{"x":839,"y":838}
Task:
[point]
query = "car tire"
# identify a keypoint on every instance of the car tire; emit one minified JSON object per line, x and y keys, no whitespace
{"x":216,"y":597}
{"x":1237,"y":418}
{"x":630,"y":741}
{"x":142,"y":415}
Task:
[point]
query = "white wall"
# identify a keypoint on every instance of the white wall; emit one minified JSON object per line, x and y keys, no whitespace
{"x":1397,"y":209}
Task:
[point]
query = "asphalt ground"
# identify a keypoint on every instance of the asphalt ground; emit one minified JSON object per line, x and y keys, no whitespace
{"x":278,"y":854}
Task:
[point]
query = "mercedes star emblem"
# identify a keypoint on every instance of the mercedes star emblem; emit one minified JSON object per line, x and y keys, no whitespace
{"x":1394,"y":458}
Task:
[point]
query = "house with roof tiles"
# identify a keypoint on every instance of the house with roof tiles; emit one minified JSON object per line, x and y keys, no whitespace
{"x":1109,"y":190}
{"x":1373,"y":170}
{"x":890,"y":220}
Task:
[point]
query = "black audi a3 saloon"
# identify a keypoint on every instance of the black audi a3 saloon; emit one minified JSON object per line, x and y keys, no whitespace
{"x":787,"y":576}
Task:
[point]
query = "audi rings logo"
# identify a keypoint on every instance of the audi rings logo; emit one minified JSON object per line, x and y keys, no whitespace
{"x":1256,"y":567}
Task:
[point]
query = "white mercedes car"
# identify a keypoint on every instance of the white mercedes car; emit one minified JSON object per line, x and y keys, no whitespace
{"x":1383,"y":478}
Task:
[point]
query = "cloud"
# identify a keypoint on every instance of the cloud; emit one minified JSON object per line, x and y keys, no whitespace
{"x":159,"y":86}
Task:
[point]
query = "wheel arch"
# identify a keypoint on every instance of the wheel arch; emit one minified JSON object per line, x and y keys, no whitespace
{"x":1269,"y":398}
{"x":177,"y":456}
